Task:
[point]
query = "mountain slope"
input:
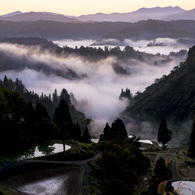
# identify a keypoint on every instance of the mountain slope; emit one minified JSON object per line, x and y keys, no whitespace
{"x":151,"y":29}
{"x":43,"y":44}
{"x":171,"y":97}
{"x":12,"y":14}
{"x":156,"y":13}
{"x":148,"y":30}
{"x":141,"y":14}
{"x":185,"y":15}
{"x":58,"y":30}
{"x":35,"y":16}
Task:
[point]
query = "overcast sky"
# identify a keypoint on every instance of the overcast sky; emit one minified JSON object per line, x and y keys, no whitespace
{"x":82,"y":7}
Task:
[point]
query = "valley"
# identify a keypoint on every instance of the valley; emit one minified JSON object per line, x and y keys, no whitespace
{"x":126,"y":80}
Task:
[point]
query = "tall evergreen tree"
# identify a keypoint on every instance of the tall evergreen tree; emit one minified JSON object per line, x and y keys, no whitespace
{"x":164,"y":134}
{"x":86,"y":138}
{"x":64,"y":95}
{"x":63,"y":119}
{"x":62,"y":114}
{"x":19,"y":87}
{"x":55,"y":97}
{"x":119,"y":131}
{"x":106,"y":133}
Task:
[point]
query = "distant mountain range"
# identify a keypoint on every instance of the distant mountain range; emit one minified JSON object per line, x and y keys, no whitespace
{"x":157,"y":13}
{"x":152,"y":29}
{"x":143,"y":30}
{"x":54,"y":30}
{"x":35,"y":16}
{"x":145,"y":23}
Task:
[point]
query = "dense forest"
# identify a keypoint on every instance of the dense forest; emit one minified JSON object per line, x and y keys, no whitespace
{"x":27,"y":117}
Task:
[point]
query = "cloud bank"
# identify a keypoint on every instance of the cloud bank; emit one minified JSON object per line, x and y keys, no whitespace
{"x":99,"y":88}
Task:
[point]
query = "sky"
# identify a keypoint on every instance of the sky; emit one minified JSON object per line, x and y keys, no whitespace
{"x":83,"y":7}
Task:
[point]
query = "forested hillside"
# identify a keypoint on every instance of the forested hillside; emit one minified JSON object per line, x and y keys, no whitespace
{"x":27,"y":118}
{"x":171,"y":97}
{"x":142,"y":30}
{"x":151,"y":29}
{"x":44,"y":44}
{"x":58,"y":30}
{"x":50,"y":101}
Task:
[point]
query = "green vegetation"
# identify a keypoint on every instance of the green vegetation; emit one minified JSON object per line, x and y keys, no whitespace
{"x":24,"y":122}
{"x":3,"y":192}
{"x":117,"y":170}
{"x":50,"y":102}
{"x":86,"y":138}
{"x":78,"y":151}
{"x":161,"y":173}
{"x":171,"y":97}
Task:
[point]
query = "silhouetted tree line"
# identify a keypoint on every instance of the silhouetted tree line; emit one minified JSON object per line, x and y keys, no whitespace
{"x":117,"y":132}
{"x":94,"y":52}
{"x":50,"y":101}
{"x":24,"y":116}
{"x":42,"y":43}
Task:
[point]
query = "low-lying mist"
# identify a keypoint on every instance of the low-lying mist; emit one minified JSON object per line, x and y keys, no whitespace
{"x":159,"y":45}
{"x":96,"y":86}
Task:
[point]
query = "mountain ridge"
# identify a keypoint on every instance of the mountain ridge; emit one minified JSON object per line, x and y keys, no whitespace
{"x":185,"y":15}
{"x":160,"y":13}
{"x":135,"y":16}
{"x":35,"y":16}
{"x":12,"y":14}
{"x":152,"y":29}
{"x":142,"y":30}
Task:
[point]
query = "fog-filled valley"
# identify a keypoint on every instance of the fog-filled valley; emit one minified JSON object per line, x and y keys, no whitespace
{"x":95,"y":81}
{"x":114,"y":91}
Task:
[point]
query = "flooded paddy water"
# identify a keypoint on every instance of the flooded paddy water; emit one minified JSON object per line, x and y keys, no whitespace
{"x":59,"y":180}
